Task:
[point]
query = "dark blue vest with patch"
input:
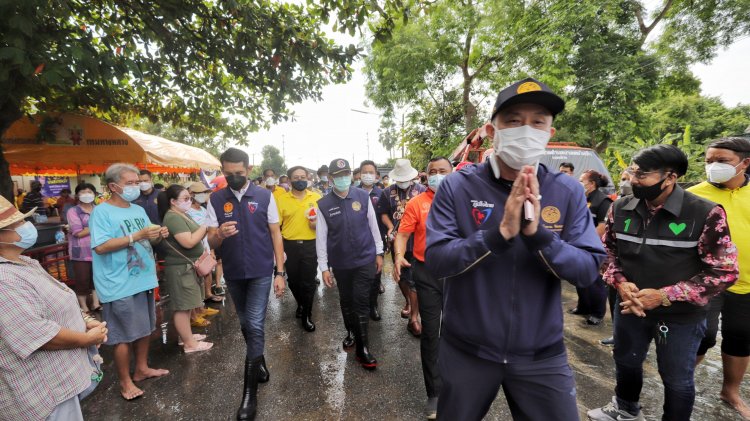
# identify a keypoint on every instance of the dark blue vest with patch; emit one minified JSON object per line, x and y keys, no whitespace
{"x":249,"y":254}
{"x":350,"y":243}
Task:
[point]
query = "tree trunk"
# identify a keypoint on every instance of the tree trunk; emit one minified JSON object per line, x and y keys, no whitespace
{"x":8,"y":115}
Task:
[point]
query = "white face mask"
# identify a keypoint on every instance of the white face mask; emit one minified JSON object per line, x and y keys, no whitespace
{"x":145,"y":185}
{"x":519,"y":146}
{"x":183,"y":206}
{"x":403,"y":185}
{"x":368,"y":179}
{"x":86,"y":197}
{"x":719,"y":172}
{"x":201,"y":197}
{"x":270,"y":181}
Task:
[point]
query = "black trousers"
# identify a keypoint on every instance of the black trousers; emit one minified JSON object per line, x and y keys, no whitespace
{"x":593,"y":299}
{"x":354,"y":289}
{"x":430,"y":293}
{"x":375,"y":289}
{"x":301,"y":268}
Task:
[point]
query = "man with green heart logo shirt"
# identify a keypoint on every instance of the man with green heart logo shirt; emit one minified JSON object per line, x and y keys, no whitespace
{"x":669,"y":251}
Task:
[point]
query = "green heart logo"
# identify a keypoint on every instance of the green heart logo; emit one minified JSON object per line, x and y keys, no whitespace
{"x":677,"y":228}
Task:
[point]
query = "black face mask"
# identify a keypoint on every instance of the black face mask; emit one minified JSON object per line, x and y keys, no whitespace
{"x":236,"y":182}
{"x":299,"y":185}
{"x":648,"y":193}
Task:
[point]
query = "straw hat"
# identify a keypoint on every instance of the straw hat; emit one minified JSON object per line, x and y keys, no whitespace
{"x":403,"y":171}
{"x":9,"y":215}
{"x":197,"y":187}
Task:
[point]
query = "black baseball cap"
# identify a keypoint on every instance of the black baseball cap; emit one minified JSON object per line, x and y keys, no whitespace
{"x":528,"y":90}
{"x":339,"y":165}
{"x":323,"y":168}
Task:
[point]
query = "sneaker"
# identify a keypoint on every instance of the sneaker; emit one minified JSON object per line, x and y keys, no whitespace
{"x":611,"y":412}
{"x":608,"y":341}
{"x":430,"y":409}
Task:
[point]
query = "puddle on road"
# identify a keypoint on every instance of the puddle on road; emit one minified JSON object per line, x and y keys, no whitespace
{"x":332,"y":371}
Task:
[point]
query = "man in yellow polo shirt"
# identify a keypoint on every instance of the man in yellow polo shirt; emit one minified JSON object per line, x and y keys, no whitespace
{"x":727,"y":162}
{"x":298,"y":214}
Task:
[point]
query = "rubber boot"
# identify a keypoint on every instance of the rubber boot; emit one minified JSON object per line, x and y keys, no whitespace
{"x":349,"y":323}
{"x":263,"y":376}
{"x":374,"y":313}
{"x":363,"y":353}
{"x":249,"y":404}
{"x":307,"y":322}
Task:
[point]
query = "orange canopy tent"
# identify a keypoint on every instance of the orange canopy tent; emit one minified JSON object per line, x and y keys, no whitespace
{"x":75,"y":144}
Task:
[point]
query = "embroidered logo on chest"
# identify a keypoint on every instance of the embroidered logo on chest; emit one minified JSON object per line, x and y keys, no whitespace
{"x":252,"y":206}
{"x":481,"y":211}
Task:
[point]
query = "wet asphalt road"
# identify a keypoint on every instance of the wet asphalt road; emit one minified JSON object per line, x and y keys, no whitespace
{"x":312,"y":378}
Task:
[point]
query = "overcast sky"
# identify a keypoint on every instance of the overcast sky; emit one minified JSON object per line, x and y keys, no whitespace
{"x":329,"y":129}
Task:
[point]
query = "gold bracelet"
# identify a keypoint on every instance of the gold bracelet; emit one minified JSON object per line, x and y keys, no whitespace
{"x":664,"y":299}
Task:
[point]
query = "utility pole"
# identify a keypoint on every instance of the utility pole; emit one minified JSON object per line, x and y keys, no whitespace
{"x":283,"y":148}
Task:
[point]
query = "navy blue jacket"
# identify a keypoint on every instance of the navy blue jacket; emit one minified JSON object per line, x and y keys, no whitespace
{"x":249,"y":254}
{"x":349,"y":243}
{"x":502,"y":298}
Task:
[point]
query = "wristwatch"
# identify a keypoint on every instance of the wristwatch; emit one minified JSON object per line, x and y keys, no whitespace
{"x":130,"y":239}
{"x":664,"y":299}
{"x":281,"y":274}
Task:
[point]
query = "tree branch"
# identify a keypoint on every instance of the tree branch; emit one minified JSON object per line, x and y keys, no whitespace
{"x":646,"y":30}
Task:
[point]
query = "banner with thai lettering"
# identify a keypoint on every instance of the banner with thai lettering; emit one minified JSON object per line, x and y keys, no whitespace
{"x":52,"y":185}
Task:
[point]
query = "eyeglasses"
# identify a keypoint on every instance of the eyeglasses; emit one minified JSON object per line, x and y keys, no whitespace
{"x":638,"y":174}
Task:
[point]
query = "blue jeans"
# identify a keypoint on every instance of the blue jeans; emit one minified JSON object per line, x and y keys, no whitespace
{"x":250,"y":298}
{"x":675,"y":360}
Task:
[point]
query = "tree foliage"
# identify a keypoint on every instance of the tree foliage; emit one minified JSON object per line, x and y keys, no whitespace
{"x":216,"y":68}
{"x":272,"y":159}
{"x":604,"y":57}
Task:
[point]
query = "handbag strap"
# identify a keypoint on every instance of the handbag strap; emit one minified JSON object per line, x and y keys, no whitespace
{"x":178,"y":252}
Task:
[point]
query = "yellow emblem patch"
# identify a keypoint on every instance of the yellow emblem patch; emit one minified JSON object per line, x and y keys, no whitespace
{"x":356,"y":206}
{"x":228,"y":207}
{"x":528,"y":87}
{"x":551,"y":215}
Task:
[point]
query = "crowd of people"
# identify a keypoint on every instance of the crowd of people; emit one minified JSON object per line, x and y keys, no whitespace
{"x":480,"y":256}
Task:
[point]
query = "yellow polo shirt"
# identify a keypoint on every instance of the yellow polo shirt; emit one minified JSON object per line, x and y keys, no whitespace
{"x":293,"y":215}
{"x":737,"y":205}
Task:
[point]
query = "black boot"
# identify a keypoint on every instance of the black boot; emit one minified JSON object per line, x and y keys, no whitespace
{"x":363,"y":353}
{"x":249,"y":403}
{"x":263,"y":375}
{"x":307,"y":322}
{"x":349,"y":322}
{"x":374,"y":313}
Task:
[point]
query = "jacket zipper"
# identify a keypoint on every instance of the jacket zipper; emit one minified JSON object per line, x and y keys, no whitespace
{"x":512,"y":309}
{"x":469,"y":267}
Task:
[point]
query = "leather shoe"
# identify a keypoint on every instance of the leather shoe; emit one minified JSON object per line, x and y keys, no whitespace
{"x":308,"y":324}
{"x":415,"y":328}
{"x":374,"y":314}
{"x":608,"y":341}
{"x":576,"y":312}
{"x":406,"y":312}
{"x":594,"y":321}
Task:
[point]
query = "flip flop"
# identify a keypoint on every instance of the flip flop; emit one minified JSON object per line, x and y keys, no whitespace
{"x":196,"y":336}
{"x":202,"y":346}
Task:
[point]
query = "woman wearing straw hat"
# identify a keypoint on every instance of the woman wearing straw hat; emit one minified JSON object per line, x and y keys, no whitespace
{"x":45,"y":340}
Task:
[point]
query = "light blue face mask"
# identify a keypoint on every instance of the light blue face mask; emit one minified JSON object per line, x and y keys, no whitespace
{"x":342,"y":183}
{"x":28,"y":234}
{"x":130,"y":193}
{"x":433,"y":181}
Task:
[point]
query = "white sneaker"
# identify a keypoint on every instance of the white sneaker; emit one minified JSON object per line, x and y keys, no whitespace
{"x":611,"y":412}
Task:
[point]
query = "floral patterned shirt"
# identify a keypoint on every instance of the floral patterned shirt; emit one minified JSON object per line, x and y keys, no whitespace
{"x":715,"y":248}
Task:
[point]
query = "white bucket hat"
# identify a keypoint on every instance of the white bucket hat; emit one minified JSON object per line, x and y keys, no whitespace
{"x":403,"y":171}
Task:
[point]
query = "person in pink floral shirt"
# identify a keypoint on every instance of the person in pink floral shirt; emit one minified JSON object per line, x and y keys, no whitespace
{"x":669,"y":251}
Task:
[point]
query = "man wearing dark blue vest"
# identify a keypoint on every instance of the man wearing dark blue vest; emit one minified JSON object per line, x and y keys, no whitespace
{"x":505,"y":235}
{"x":348,"y":244}
{"x":669,"y":251}
{"x":244,"y":224}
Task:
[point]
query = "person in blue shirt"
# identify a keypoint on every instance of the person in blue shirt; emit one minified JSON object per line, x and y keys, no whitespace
{"x":504,"y":235}
{"x":125,"y":275}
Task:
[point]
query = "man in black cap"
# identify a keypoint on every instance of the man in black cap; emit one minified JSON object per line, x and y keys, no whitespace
{"x":504,"y":235}
{"x":348,"y":244}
